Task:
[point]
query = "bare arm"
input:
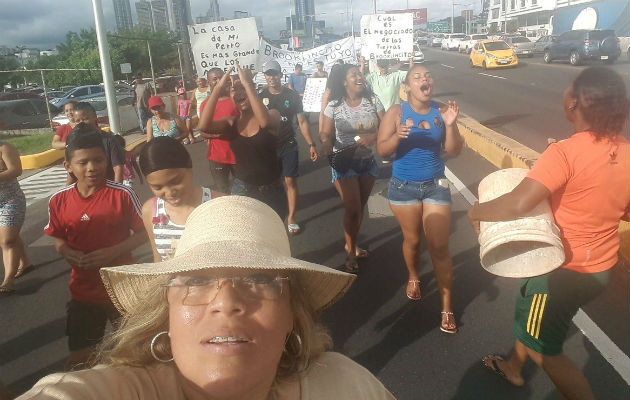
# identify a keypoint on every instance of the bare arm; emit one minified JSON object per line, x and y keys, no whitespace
{"x":306,"y":132}
{"x":181,"y":127}
{"x":213,"y":129}
{"x":362,"y":65}
{"x":453,"y":141}
{"x":118,"y":173}
{"x":260,"y":111}
{"x":390,"y":132}
{"x":12,"y":163}
{"x":149,"y":127}
{"x":147,"y":220}
{"x":527,"y":195}
{"x":325,"y":97}
{"x":105,"y":256}
{"x":72,"y":256}
{"x":57,"y":144}
{"x":137,"y":169}
{"x":327,"y":134}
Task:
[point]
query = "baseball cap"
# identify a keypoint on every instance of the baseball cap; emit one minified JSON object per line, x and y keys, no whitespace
{"x":155,"y":101}
{"x":181,"y":90}
{"x":271,"y":66}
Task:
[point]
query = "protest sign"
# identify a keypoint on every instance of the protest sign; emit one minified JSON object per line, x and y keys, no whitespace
{"x":221,"y":44}
{"x":328,"y":54}
{"x":387,"y":36}
{"x":312,"y":99}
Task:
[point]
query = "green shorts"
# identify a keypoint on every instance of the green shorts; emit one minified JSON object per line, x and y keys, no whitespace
{"x":546,"y":305}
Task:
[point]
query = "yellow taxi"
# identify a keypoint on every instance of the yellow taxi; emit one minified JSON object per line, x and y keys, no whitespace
{"x":492,"y":54}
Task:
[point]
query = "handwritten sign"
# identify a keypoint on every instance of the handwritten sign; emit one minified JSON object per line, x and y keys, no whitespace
{"x":221,"y":44}
{"x":328,"y":54}
{"x":312,"y":99}
{"x":387,"y":36}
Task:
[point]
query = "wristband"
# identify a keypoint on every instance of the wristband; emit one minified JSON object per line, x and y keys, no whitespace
{"x":311,"y":145}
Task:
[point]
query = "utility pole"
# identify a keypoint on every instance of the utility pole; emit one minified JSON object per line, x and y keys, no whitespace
{"x":106,"y":67}
{"x":453,"y":17}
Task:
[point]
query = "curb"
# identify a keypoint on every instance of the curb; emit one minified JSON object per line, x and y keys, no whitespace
{"x":503,"y":152}
{"x":48,"y":157}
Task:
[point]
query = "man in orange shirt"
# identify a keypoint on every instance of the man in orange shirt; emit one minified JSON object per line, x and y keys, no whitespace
{"x":586,"y":179}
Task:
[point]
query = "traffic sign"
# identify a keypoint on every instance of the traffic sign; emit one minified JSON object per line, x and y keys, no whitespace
{"x":439,"y":26}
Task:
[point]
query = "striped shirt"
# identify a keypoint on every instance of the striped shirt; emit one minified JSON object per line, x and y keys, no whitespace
{"x":166,"y":233}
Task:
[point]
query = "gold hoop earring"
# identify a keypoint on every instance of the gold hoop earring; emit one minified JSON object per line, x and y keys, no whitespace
{"x":155,"y":338}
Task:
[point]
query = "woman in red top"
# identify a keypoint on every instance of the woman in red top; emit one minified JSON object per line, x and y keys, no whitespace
{"x":59,"y":139}
{"x":585,"y":178}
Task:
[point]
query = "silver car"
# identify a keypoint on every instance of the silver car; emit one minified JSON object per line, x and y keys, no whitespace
{"x":523,"y":47}
{"x":126,"y":112}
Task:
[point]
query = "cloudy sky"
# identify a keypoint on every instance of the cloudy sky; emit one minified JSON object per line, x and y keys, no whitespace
{"x":44,"y":23}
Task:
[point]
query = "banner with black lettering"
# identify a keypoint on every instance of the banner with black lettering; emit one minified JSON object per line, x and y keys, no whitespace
{"x":387,"y":36}
{"x":220,"y":44}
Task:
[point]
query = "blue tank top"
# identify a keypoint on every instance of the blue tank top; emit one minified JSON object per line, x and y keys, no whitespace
{"x":418,"y":157}
{"x":172,"y":131}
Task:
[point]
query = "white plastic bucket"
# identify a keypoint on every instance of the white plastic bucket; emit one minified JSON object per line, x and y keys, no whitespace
{"x":525,"y":247}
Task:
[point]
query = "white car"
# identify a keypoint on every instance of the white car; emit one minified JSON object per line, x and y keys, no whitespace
{"x":467,"y":43}
{"x":126,"y":113}
{"x":436,"y":40}
{"x":418,"y":55}
{"x":451,"y":41}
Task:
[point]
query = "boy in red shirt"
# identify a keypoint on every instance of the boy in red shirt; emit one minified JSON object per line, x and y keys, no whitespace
{"x":220,"y":155}
{"x":91,"y":222}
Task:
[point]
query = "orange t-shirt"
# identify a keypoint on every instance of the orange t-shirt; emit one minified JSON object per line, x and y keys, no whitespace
{"x":588,"y":181}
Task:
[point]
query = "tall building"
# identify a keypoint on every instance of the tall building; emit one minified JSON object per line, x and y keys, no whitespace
{"x":241,"y":14}
{"x":153,"y":15}
{"x":304,"y":9}
{"x":181,"y":17}
{"x":122,"y":12}
{"x":212,"y":15}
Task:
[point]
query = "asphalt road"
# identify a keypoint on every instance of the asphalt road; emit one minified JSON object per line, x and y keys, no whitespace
{"x":374,"y":323}
{"x":524,"y":103}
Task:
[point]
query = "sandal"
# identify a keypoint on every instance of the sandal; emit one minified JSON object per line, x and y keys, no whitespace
{"x":6,"y":291}
{"x":359,"y":252}
{"x":352,"y":265}
{"x":412,"y":284}
{"x":448,"y":322}
{"x":491,"y":364}
{"x":294,"y":229}
{"x":21,"y":271}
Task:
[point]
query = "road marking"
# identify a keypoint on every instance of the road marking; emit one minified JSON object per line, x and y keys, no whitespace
{"x":43,"y":184}
{"x":492,"y":76}
{"x":606,"y":347}
{"x":447,"y":66}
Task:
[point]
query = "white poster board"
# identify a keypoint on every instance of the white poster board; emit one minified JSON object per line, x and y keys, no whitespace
{"x":221,"y":44}
{"x":125,"y":68}
{"x":328,"y":54}
{"x":387,"y":36}
{"x":312,"y":99}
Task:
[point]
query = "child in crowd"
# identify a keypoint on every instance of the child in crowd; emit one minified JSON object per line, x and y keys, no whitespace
{"x":61,"y":134}
{"x":183,"y":110}
{"x":91,"y":222}
{"x":167,"y":167}
{"x":130,"y":167}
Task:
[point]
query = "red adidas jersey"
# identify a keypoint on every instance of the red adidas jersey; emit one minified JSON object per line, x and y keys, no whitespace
{"x":101,"y":220}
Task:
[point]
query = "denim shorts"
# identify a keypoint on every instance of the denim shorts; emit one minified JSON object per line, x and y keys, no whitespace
{"x":407,"y":193}
{"x":373,"y":171}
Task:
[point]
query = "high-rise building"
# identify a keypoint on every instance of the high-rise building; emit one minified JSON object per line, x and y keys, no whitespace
{"x":241,"y":14}
{"x":122,"y":12}
{"x":212,"y":15}
{"x":153,"y":15}
{"x":304,"y":8}
{"x":181,"y":17}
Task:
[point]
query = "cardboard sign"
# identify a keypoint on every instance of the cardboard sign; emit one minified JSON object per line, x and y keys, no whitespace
{"x":312,"y":99}
{"x":328,"y":54}
{"x":387,"y":36}
{"x":221,"y":44}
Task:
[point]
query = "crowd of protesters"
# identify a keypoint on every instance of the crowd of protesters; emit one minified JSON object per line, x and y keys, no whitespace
{"x":96,"y":221}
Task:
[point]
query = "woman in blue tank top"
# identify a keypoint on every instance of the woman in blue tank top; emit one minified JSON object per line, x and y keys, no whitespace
{"x":416,"y":133}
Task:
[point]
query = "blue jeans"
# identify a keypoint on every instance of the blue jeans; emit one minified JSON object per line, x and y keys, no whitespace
{"x":272,"y":195}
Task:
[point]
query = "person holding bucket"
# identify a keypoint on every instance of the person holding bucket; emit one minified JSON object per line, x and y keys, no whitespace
{"x":231,"y":316}
{"x":416,"y":133}
{"x":585,"y":178}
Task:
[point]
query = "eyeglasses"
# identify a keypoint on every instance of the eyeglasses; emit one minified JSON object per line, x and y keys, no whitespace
{"x":201,"y":290}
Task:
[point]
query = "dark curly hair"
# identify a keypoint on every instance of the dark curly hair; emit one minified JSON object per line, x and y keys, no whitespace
{"x":601,"y":95}
{"x":338,"y":90}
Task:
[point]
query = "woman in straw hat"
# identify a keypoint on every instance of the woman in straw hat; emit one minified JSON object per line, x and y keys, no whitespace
{"x":231,"y":316}
{"x":586,"y":180}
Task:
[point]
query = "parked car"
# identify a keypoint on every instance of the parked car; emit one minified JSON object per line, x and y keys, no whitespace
{"x":582,"y":44}
{"x":522,"y":46}
{"x":80,"y":93}
{"x":467,"y":43}
{"x":451,"y":41}
{"x":436,"y":40}
{"x":422,"y":41}
{"x":418,"y":55}
{"x":24,"y":113}
{"x":17,"y":95}
{"x":126,"y":113}
{"x":492,"y":54}
{"x":52,"y":94}
{"x":624,"y":44}
{"x":541,"y":43}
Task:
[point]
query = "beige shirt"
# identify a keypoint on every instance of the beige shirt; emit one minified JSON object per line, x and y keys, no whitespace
{"x":331,"y":376}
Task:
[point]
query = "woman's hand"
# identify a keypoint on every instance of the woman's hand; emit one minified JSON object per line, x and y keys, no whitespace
{"x":402,"y":131}
{"x":473,"y":221}
{"x":450,"y":113}
{"x":244,"y":74}
{"x":224,"y":79}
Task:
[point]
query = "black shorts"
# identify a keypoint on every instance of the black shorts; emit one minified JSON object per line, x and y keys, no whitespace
{"x":288,"y":155}
{"x":85,"y":323}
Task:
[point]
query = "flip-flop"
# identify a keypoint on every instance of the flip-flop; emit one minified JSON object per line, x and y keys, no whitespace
{"x":351,"y":265}
{"x":414,"y":283}
{"x":6,"y":291}
{"x":294,"y":229}
{"x":24,"y":270}
{"x":490,"y":362}
{"x":359,"y":252}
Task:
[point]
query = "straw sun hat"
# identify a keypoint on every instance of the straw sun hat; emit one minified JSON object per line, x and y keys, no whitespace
{"x":228,"y":232}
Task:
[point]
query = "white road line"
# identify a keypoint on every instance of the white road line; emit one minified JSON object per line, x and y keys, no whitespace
{"x":447,"y":66}
{"x":492,"y":76}
{"x":607,"y":348}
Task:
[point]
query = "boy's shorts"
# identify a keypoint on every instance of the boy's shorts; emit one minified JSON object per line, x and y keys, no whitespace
{"x":85,"y":323}
{"x":407,"y":193}
{"x":546,"y":305}
{"x":288,"y":155}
